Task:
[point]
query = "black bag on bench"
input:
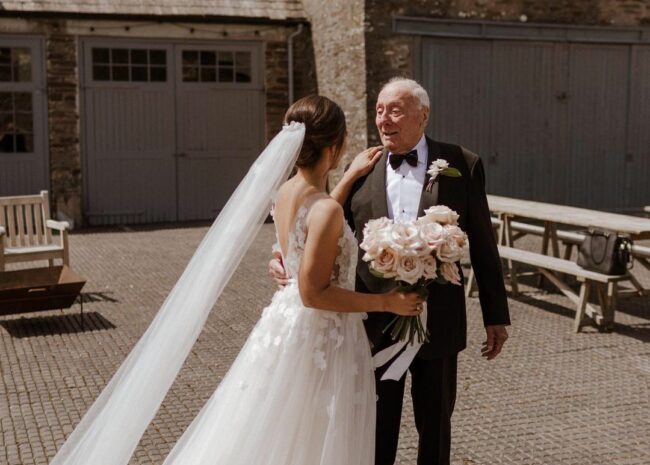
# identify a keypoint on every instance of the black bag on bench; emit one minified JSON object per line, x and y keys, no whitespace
{"x":606,"y":252}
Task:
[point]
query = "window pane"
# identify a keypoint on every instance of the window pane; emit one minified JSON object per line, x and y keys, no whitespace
{"x":120,"y":73}
{"x":6,"y":122}
{"x":225,"y":75}
{"x":208,"y":74}
{"x":29,"y":143}
{"x":243,"y":75}
{"x":190,"y":74}
{"x":23,"y":102}
{"x":101,"y":55}
{"x":243,"y":59}
{"x":24,"y":123}
{"x":120,"y":55}
{"x":6,"y":142}
{"x":158,"y":57}
{"x":139,"y":73}
{"x":5,"y":55}
{"x":139,"y":57}
{"x":101,"y":73}
{"x":24,"y":143}
{"x":22,"y":62}
{"x":158,"y":74}
{"x":5,"y":73}
{"x":209,"y":58}
{"x":226,"y":59}
{"x":6,"y":102}
{"x":190,"y":58}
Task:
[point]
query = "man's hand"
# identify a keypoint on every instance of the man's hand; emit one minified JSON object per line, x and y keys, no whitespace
{"x":496,"y":337}
{"x":276,"y":270}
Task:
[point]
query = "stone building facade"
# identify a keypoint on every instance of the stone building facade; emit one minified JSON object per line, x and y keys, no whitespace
{"x":62,"y":26}
{"x":346,"y":50}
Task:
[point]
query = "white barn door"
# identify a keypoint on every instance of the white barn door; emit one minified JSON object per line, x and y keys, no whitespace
{"x":220,"y":123}
{"x":169,"y":129}
{"x":23,"y":135}
{"x":129,"y":133}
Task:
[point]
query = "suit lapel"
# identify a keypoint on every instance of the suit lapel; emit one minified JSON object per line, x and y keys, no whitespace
{"x":378,"y":188}
{"x":427,"y":198}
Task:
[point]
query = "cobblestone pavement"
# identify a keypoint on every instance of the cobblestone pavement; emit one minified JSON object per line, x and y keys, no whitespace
{"x":552,"y":398}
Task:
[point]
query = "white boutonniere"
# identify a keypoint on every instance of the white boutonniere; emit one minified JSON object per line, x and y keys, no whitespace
{"x":440,"y":167}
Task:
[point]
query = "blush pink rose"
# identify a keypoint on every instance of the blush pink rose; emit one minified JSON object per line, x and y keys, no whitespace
{"x":386,"y":263}
{"x":450,"y":272}
{"x":430,"y":267}
{"x":409,"y":269}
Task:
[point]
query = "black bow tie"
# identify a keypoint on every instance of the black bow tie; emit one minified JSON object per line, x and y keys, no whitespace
{"x":396,"y":160}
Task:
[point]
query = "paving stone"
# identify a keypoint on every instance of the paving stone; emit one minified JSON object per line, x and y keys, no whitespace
{"x":551,"y":398}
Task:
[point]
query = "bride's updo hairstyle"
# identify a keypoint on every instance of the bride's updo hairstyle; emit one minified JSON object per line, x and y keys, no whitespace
{"x":324,"y":127}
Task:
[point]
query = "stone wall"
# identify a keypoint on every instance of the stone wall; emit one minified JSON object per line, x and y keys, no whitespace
{"x":63,"y":116}
{"x":339,"y":44}
{"x":389,"y":54}
{"x":276,"y":78}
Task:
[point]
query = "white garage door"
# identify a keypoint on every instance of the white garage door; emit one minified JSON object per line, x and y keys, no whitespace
{"x":170,"y":128}
{"x":23,"y":148}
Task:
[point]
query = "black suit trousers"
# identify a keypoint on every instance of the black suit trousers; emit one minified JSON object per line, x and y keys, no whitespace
{"x":433,"y":390}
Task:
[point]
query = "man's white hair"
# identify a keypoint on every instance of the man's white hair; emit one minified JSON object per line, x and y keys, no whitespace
{"x":413,"y":87}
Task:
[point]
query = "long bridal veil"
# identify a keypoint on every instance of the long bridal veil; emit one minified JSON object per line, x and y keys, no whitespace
{"x":111,"y":429}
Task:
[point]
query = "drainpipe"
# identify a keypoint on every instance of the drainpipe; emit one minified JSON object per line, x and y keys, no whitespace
{"x":290,"y":56}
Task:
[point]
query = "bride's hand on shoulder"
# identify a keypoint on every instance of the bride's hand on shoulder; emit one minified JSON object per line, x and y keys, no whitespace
{"x":364,"y":162}
{"x":403,"y":303}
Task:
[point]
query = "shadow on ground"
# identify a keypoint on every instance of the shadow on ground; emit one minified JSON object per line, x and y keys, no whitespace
{"x":24,"y":327}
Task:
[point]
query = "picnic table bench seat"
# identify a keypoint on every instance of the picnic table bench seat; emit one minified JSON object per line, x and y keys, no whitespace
{"x":569,"y":238}
{"x":548,"y":265}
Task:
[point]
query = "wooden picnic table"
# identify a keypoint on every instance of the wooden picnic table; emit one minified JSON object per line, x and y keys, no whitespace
{"x":506,"y":209}
{"x":637,"y":227}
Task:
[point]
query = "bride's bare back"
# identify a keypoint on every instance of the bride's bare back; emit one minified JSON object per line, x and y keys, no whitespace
{"x":324,"y":224}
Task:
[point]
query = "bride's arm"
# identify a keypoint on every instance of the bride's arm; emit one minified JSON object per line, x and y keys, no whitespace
{"x":325,"y":225}
{"x":360,"y":166}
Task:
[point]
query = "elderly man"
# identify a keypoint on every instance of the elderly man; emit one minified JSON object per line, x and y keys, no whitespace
{"x":396,"y":188}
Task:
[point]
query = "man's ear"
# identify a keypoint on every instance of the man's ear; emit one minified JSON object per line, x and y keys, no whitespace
{"x":425,"y":116}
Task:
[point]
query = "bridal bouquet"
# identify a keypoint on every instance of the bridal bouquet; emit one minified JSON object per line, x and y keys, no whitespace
{"x":415,"y":253}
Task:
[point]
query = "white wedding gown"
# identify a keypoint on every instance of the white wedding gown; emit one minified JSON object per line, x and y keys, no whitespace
{"x":301,"y":391}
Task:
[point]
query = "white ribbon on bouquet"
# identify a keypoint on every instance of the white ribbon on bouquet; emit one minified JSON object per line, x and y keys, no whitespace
{"x":397,"y":369}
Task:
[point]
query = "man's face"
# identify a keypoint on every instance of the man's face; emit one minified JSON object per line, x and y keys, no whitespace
{"x":399,"y":119}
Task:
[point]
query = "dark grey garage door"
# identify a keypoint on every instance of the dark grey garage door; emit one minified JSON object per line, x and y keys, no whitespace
{"x":169,"y":128}
{"x":559,"y":114}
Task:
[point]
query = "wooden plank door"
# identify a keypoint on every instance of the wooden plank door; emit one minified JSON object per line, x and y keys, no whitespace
{"x":24,"y":167}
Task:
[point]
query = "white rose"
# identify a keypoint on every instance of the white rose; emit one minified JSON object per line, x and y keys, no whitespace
{"x":409,"y":269}
{"x":430,"y":267}
{"x":386,"y":263}
{"x":431,"y":234}
{"x":442,"y":214}
{"x":376,"y":225}
{"x":405,"y":238}
{"x":437,"y":166}
{"x":450,"y":272}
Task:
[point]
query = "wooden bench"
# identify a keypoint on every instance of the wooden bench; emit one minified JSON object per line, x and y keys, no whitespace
{"x":572,"y":239}
{"x":26,"y":231}
{"x":606,"y":285}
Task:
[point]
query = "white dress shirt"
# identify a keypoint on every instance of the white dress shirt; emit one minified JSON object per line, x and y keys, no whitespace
{"x":404,"y":185}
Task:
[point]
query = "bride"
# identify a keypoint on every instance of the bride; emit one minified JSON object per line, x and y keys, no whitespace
{"x":301,"y":391}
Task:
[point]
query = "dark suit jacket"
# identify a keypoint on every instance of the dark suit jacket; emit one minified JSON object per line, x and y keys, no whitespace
{"x":447,"y":320}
